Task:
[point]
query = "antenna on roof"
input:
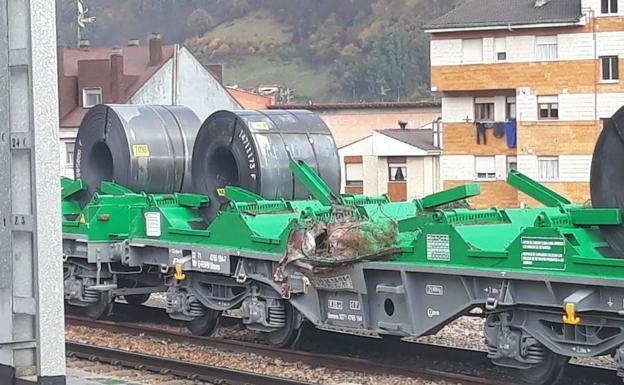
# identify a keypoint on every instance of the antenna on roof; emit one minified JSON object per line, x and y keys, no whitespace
{"x":82,"y":19}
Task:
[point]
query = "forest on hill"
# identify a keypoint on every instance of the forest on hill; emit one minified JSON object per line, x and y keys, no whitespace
{"x":323,"y":50}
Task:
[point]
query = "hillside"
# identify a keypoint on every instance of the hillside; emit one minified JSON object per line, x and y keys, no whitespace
{"x":324,"y":50}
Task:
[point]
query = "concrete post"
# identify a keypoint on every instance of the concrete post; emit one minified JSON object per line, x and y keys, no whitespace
{"x":31,"y":283}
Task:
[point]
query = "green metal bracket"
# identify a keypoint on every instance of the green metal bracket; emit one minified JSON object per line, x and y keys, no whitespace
{"x":535,"y":190}
{"x":70,"y":187}
{"x":313,"y":183}
{"x":593,"y":217}
{"x":238,"y":194}
{"x":358,"y":200}
{"x":111,"y":188}
{"x":191,"y":200}
{"x":449,"y":196}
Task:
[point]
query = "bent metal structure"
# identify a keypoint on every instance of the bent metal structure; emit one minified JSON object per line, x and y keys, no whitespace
{"x":549,"y":282}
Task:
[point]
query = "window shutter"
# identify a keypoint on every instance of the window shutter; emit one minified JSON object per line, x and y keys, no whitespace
{"x":472,"y":50}
{"x":546,"y":40}
{"x":547,"y":99}
{"x":354,"y":171}
{"x":501,"y":44}
{"x":485,"y":164}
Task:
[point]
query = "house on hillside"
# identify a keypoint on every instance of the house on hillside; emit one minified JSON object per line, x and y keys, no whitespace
{"x":152,"y":74}
{"x":524,"y":85}
{"x":403,"y":163}
{"x":350,"y":122}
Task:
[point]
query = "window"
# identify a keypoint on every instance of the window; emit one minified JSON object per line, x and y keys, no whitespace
{"x":500,"y":46}
{"x":548,"y":107}
{"x":512,"y":163}
{"x":397,"y":169}
{"x":548,"y":168}
{"x":354,"y":174}
{"x":91,"y":96}
{"x":609,"y":6}
{"x":485,"y":167}
{"x":69,"y":154}
{"x":484,"y":110}
{"x":510,"y":110}
{"x":546,"y":47}
{"x":472,"y":51}
{"x":610,"y":68}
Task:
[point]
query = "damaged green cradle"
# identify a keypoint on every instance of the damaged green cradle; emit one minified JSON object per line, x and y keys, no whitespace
{"x":560,"y":238}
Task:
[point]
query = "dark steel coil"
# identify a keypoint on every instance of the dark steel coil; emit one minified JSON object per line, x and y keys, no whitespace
{"x":607,"y":177}
{"x":145,"y":148}
{"x":252,"y":149}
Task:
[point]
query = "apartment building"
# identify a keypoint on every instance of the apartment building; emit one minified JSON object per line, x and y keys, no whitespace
{"x":524,"y":85}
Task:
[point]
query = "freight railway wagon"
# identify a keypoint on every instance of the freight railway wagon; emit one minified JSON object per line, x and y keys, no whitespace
{"x":263,"y":230}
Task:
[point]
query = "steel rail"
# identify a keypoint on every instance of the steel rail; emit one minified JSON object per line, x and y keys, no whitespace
{"x":288,"y":355}
{"x":162,"y":365}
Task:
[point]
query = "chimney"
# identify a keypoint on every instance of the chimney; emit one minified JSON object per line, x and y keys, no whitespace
{"x":84,"y":44}
{"x":117,"y":74}
{"x":60,"y":61}
{"x":133,"y":42}
{"x":541,"y":3}
{"x":402,"y":124}
{"x":155,"y":49}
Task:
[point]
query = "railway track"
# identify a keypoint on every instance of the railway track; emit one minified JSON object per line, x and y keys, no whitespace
{"x":288,"y":355}
{"x":184,"y":369}
{"x":324,"y":355}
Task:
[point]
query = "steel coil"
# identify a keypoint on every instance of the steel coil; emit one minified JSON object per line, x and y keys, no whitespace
{"x":145,"y":148}
{"x":607,"y":177}
{"x":252,"y":149}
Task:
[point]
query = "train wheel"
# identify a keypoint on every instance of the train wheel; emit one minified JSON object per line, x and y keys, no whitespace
{"x":546,"y":373}
{"x":100,"y":310}
{"x":205,"y":325}
{"x":137,"y":299}
{"x":288,"y":335}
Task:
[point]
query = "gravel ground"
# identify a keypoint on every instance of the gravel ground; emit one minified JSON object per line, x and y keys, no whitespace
{"x":243,"y":361}
{"x":108,"y":374}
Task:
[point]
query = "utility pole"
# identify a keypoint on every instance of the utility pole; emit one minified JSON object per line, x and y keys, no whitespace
{"x":32,"y":343}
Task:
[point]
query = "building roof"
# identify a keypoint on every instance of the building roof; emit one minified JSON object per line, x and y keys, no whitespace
{"x":476,"y":14}
{"x":421,"y":138}
{"x":136,"y":70}
{"x":249,"y":100}
{"x":357,"y":106}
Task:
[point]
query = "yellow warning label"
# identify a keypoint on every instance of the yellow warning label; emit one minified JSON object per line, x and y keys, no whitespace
{"x":221,"y":192}
{"x":140,"y":150}
{"x":260,"y":126}
{"x":82,"y":219}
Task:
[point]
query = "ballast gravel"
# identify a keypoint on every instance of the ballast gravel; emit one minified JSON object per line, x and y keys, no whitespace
{"x":242,"y":361}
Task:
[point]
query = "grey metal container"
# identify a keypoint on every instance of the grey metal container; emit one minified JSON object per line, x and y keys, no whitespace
{"x":252,"y":149}
{"x":145,"y":148}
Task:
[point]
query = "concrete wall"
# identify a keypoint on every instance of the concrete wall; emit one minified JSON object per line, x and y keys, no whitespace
{"x":158,"y":89}
{"x":423,"y":176}
{"x":199,"y":90}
